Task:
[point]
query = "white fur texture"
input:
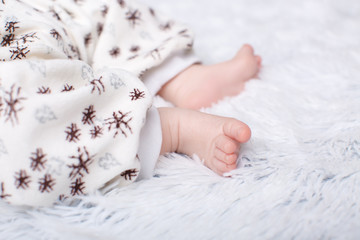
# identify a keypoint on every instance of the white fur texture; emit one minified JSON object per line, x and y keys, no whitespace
{"x":299,"y":176}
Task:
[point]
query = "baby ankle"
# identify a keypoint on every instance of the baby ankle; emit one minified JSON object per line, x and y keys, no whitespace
{"x":169,"y":127}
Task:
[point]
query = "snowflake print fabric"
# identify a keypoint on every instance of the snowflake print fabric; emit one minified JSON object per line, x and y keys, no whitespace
{"x":71,"y":102}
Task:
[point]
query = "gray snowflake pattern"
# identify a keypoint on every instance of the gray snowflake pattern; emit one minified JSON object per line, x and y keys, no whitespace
{"x":115,"y":81}
{"x":55,"y":166}
{"x":108,"y":161}
{"x":87,"y":73}
{"x":44,"y":114}
{"x":38,"y":66}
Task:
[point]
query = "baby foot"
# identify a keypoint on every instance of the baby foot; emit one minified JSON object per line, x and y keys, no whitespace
{"x":200,"y":85}
{"x":216,"y":140}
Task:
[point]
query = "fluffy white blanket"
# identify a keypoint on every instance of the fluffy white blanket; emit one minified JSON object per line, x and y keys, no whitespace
{"x":299,"y":176}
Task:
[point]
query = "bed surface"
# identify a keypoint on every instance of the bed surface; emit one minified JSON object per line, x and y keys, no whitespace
{"x":299,"y":176}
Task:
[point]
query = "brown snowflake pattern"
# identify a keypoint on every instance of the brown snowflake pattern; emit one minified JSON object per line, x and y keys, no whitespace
{"x":3,"y":195}
{"x":22,"y":180}
{"x":134,"y":49}
{"x":184,"y":33}
{"x":84,"y":159}
{"x":104,"y":10}
{"x":122,"y":3}
{"x":77,"y":187}
{"x":55,"y":34}
{"x":75,"y":51}
{"x":38,"y":160}
{"x":71,"y":14}
{"x":134,"y":17}
{"x":46,"y":183}
{"x":136,"y":94}
{"x":132,"y":57}
{"x":152,"y":12}
{"x":88,"y":115}
{"x":96,"y":132}
{"x":129,"y":174}
{"x":43,"y":90}
{"x":37,"y":10}
{"x":29,"y":37}
{"x":167,"y":26}
{"x":114,"y":52}
{"x":19,"y":52}
{"x":11,"y":26}
{"x":67,"y":88}
{"x":13,"y":102}
{"x":7,"y":40}
{"x":62,"y":197}
{"x":119,"y":122}
{"x":99,"y":28}
{"x":55,"y":14}
{"x":155,"y":53}
{"x":87,"y":39}
{"x":72,"y":133}
{"x":65,"y":32}
{"x":98,"y":85}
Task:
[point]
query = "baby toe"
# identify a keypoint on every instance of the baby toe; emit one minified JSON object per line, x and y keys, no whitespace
{"x":258,"y":60}
{"x":226,"y":144}
{"x":221,"y":167}
{"x":228,"y":159}
{"x":247,"y":48}
{"x":237,"y":130}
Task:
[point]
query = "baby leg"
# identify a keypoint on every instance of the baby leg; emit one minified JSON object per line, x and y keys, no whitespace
{"x":216,"y":140}
{"x":201,"y":85}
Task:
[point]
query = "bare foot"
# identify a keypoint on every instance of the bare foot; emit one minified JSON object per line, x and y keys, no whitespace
{"x":216,"y":140}
{"x":200,"y":85}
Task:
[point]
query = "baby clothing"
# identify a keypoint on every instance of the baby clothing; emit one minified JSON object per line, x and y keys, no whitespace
{"x":72,"y":106}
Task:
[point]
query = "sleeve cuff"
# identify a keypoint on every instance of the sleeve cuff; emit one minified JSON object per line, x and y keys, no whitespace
{"x":150,"y":144}
{"x":156,"y":77}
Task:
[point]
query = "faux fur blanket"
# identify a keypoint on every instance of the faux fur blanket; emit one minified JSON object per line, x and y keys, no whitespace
{"x":299,"y":176}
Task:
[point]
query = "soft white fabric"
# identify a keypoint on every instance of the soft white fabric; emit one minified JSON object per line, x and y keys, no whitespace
{"x":71,"y":103}
{"x":300,"y":173}
{"x":150,"y":144}
{"x":156,"y":77}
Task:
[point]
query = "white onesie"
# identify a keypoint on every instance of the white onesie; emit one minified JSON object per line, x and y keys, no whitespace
{"x":72,"y":106}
